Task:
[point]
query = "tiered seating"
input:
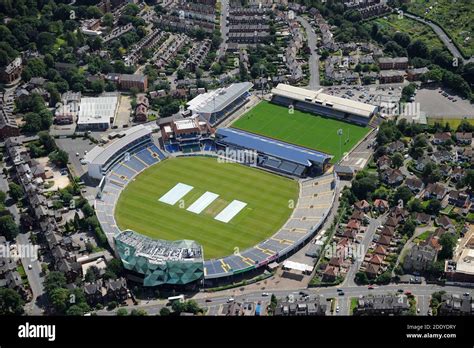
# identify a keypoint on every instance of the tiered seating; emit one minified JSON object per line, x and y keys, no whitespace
{"x":117,"y":178}
{"x":314,"y":203}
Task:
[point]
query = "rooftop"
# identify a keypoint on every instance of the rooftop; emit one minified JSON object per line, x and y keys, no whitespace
{"x":337,"y":103}
{"x":97,"y":109}
{"x":218,"y":99}
{"x":293,"y":153}
{"x":100,"y":155}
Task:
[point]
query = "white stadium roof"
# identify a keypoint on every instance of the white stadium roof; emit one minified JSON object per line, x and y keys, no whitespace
{"x":319,"y":98}
{"x":100,"y":155}
{"x":218,"y":99}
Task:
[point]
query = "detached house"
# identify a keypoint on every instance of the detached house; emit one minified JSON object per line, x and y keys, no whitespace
{"x":464,"y":138}
{"x":459,"y":199}
{"x":414,"y":184}
{"x":436,"y":190}
{"x":392,"y":177}
{"x":444,"y":222}
{"x":381,"y":205}
{"x":362,"y":206}
{"x":441,"y":138}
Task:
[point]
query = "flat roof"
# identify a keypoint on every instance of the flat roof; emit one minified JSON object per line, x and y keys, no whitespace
{"x":465,"y":262}
{"x":337,"y":103}
{"x":100,"y":155}
{"x":97,"y":109}
{"x":272,"y":147}
{"x":218,"y":99}
{"x":187,"y":123}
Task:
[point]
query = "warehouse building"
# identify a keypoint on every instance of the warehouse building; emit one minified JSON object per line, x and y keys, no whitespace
{"x":97,"y":113}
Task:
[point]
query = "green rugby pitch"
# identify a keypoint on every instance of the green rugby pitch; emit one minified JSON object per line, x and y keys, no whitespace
{"x":301,"y":128}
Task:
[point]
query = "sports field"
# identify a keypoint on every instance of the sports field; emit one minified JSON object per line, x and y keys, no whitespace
{"x":266,"y":196}
{"x":301,"y":128}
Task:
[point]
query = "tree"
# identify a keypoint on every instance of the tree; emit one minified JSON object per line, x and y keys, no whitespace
{"x":138,"y":312}
{"x":54,"y":280}
{"x":78,"y":310}
{"x":11,"y":302}
{"x":433,"y":207}
{"x":448,"y":242}
{"x":92,"y":274}
{"x":403,"y":39}
{"x":418,"y":49}
{"x":59,"y":157}
{"x":397,"y":160}
{"x":122,"y":312}
{"x":361,"y":278}
{"x":415,"y":206}
{"x":408,"y":228}
{"x":8,"y":227}
{"x":59,"y":299}
{"x":402,"y":193}
{"x":469,"y":179}
{"x":384,"y":278}
{"x":98,"y":86}
{"x":363,"y":187}
{"x":165,"y":312}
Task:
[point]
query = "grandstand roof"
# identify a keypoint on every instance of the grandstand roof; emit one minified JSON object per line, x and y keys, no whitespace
{"x":319,"y":98}
{"x":100,"y":155}
{"x":218,"y":99}
{"x":276,"y":148}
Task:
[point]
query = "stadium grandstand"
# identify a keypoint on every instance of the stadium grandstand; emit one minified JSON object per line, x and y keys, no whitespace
{"x":159,"y":261}
{"x":216,"y":105}
{"x":273,"y":154}
{"x":323,"y":104}
{"x":187,"y":135}
{"x":315,"y":200}
{"x":101,"y":159}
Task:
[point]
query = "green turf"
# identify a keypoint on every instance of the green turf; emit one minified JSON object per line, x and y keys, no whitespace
{"x":301,"y":128}
{"x":267,"y":196}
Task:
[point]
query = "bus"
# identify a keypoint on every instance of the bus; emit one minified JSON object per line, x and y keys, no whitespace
{"x":179,"y":298}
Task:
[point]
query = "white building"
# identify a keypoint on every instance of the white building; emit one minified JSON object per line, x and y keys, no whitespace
{"x":97,"y":113}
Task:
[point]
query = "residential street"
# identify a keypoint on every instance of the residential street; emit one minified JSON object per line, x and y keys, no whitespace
{"x":364,"y":245}
{"x":223,"y":24}
{"x":34,"y":275}
{"x":314,"y":58}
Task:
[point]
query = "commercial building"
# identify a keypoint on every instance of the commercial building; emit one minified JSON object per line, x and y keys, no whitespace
{"x":323,"y":104}
{"x":461,"y":267}
{"x":214,"y":106}
{"x":97,"y":113}
{"x":391,"y":76}
{"x":100,"y":159}
{"x":158,"y":261}
{"x":129,"y":81}
{"x":186,"y":135}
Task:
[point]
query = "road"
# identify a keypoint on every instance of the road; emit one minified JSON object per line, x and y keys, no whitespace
{"x":443,"y":37}
{"x":313,"y":62}
{"x":364,"y":247}
{"x":223,"y":24}
{"x":214,"y":300}
{"x":34,"y":274}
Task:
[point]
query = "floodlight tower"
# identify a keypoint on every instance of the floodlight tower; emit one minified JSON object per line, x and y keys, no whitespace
{"x":339,"y":132}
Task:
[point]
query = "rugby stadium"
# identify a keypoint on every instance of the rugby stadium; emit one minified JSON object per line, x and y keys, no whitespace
{"x":185,"y":209}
